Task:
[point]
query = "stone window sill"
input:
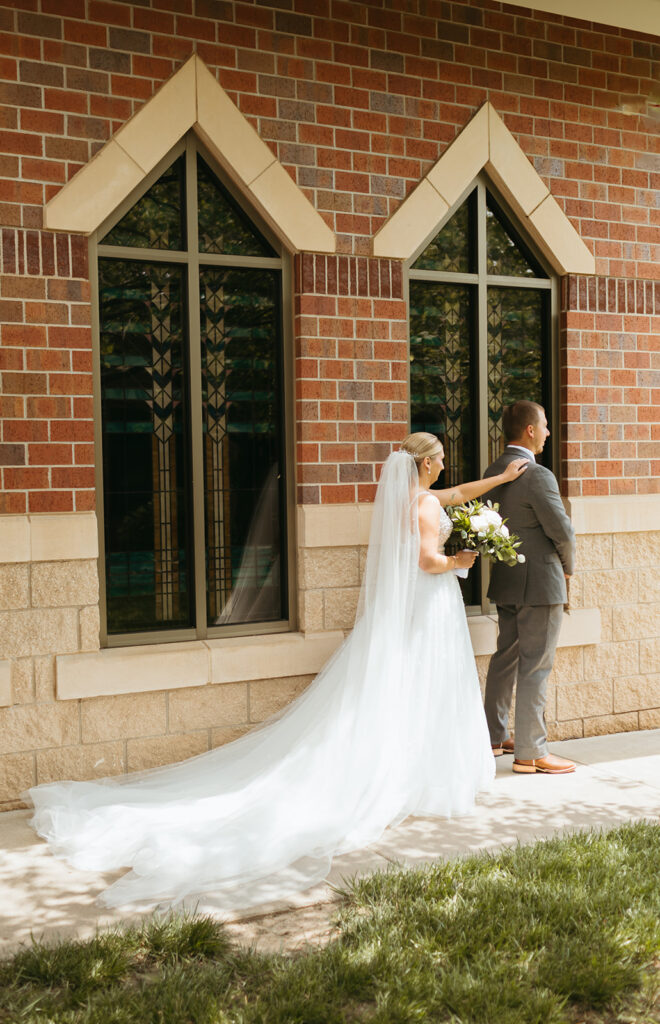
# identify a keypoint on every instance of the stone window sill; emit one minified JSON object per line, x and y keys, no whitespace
{"x":198,"y":663}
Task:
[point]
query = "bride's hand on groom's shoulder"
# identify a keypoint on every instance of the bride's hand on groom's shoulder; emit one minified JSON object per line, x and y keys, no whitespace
{"x":515,"y":469}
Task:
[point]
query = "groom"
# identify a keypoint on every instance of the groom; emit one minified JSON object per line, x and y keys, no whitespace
{"x":530,"y":596}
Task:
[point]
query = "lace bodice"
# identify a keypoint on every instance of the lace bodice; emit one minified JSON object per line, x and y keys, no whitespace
{"x":445,"y":528}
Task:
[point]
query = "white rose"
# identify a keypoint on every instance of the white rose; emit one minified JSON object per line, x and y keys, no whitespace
{"x":479,"y":522}
{"x":492,"y":517}
{"x":503,"y":530}
{"x":521,"y":558}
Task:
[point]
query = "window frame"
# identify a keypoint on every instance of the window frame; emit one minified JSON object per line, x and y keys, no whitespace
{"x":481,"y":280}
{"x":191,"y":145}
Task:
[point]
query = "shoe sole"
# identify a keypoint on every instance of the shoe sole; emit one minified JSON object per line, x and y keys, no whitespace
{"x":498,"y":751}
{"x":531,"y":769}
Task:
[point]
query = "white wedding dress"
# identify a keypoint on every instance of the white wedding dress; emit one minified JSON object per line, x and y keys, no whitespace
{"x":392,"y":726}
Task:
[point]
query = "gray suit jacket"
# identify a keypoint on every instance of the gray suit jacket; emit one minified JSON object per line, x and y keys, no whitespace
{"x":534,"y":510}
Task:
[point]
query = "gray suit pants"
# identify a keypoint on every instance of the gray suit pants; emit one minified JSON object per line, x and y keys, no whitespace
{"x":525,"y":652}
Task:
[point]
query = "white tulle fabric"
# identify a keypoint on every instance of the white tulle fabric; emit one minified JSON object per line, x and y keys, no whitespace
{"x":392,"y":726}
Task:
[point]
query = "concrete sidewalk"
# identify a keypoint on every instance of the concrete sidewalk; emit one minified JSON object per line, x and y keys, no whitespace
{"x":617,"y":780}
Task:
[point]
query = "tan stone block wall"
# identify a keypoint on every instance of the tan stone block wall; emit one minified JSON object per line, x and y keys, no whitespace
{"x":49,"y":608}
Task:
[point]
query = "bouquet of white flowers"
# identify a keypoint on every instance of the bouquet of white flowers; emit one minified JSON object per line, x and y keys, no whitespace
{"x":480,"y":527}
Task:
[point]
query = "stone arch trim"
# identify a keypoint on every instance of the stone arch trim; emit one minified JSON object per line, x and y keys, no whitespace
{"x":190,"y":99}
{"x":486,"y":144}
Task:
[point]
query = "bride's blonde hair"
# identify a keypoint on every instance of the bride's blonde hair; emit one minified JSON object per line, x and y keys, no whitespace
{"x":420,"y":445}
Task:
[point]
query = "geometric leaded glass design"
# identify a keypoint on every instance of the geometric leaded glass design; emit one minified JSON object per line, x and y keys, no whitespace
{"x":441,"y":369}
{"x":143,"y":399}
{"x":516,"y":318}
{"x":240,"y":395}
{"x":191,"y":410}
{"x":478,"y":342}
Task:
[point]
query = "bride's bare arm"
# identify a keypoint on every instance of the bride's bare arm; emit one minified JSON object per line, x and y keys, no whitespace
{"x":467,"y":492}
{"x":430,"y":559}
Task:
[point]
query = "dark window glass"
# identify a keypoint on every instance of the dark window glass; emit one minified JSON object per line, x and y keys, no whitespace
{"x":442,"y":380}
{"x":223,"y":227}
{"x":516,"y":318}
{"x":154,"y":487}
{"x":157,"y":219}
{"x":452,"y":249}
{"x":240,"y":318}
{"x":506,"y":256}
{"x":143,"y":396}
{"x":456,"y":371}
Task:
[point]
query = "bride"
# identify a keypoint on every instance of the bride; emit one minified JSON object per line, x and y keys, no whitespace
{"x":393,"y":725}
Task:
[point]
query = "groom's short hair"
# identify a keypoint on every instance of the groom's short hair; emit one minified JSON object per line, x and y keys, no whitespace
{"x":517,"y":417}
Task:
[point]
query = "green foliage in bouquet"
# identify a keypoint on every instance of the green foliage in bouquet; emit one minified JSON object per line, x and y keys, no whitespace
{"x":480,"y":527}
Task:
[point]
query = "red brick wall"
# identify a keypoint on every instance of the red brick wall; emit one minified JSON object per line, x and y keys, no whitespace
{"x":357,"y":100}
{"x":611,"y":394}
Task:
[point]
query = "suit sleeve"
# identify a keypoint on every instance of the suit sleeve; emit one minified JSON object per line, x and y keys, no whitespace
{"x":551,"y":514}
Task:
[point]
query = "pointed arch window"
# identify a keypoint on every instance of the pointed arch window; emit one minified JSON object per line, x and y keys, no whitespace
{"x":190,"y":384}
{"x":481,"y":305}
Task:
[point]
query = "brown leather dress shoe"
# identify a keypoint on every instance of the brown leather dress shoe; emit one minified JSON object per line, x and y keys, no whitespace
{"x":550,"y":764}
{"x":505,"y":747}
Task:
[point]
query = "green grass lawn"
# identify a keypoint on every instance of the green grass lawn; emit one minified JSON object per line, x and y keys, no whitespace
{"x":567,"y":930}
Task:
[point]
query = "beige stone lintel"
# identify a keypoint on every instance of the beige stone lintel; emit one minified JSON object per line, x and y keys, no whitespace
{"x":59,"y":536}
{"x":321,"y":526}
{"x":559,"y":240}
{"x":400,"y":236}
{"x":507,"y":163}
{"x":271,"y":657}
{"x":5,"y":684}
{"x":94,"y":192}
{"x":14,"y":539}
{"x":142,"y":669}
{"x":485,"y":143}
{"x":630,"y":513}
{"x":48,"y":537}
{"x":581,"y":627}
{"x":160,"y":123}
{"x":131,"y":670}
{"x":191,"y":98}
{"x":463,"y":159}
{"x":231,"y":139}
{"x":289,"y":213}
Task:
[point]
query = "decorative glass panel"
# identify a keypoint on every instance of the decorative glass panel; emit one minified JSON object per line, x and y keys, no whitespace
{"x":441,"y":371}
{"x":504,"y":255}
{"x":223,"y":227}
{"x":143,"y":395}
{"x":157,"y":219}
{"x":452,"y":248}
{"x":516,"y":318}
{"x":240,"y":317}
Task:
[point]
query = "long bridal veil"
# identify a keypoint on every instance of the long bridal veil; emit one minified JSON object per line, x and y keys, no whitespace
{"x":263,"y":816}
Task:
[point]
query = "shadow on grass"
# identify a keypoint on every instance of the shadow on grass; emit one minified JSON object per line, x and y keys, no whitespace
{"x":565,"y":930}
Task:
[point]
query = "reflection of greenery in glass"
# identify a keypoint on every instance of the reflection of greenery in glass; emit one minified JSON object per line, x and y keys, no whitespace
{"x":156,"y":220}
{"x":515,"y":344}
{"x":223,"y":227}
{"x":504,"y":255}
{"x":240,"y":320}
{"x":142,"y":395}
{"x":452,"y":248}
